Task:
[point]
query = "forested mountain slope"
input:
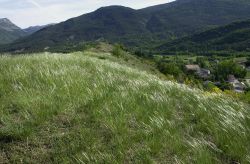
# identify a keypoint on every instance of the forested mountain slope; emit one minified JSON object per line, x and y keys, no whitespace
{"x":138,"y":28}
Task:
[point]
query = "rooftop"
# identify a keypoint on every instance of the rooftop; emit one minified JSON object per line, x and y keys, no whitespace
{"x":193,"y":67}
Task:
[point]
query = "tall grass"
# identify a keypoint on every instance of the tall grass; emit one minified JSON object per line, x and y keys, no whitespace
{"x":83,"y":108}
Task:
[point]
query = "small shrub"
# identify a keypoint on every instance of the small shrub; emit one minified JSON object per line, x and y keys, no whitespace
{"x":169,"y":68}
{"x":118,"y":51}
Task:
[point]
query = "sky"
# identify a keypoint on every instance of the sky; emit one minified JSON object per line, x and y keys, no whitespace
{"x":25,"y":13}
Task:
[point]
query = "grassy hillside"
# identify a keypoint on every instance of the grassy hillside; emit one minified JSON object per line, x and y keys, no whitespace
{"x":232,"y":37}
{"x":96,"y":108}
{"x":138,"y":28}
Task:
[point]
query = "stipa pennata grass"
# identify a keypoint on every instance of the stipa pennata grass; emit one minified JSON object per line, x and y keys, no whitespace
{"x":80,"y":108}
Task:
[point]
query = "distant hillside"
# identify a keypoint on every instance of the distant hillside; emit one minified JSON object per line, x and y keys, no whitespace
{"x":139,"y":28}
{"x":235,"y":37}
{"x":114,"y":23}
{"x":32,"y":29}
{"x":9,"y":31}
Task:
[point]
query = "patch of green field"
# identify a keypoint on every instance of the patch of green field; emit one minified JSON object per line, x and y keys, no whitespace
{"x":248,"y":74}
{"x":240,"y":59}
{"x":92,"y":108}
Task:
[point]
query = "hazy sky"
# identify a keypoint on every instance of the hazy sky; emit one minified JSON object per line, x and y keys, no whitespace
{"x":26,"y":13}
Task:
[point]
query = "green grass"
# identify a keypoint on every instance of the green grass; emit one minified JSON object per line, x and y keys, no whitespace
{"x":248,"y":74}
{"x":95,"y":108}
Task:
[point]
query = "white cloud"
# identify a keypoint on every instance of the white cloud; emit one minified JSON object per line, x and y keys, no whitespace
{"x":34,"y":3}
{"x":39,"y":12}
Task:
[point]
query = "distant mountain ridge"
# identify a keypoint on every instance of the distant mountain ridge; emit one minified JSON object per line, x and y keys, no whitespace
{"x":142,"y":28}
{"x":33,"y":29}
{"x":7,"y":25}
{"x":9,"y":31}
{"x":234,"y":37}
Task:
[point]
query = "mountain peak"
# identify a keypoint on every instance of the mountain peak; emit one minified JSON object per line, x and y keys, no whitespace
{"x":6,"y":24}
{"x":4,"y":20}
{"x":115,"y":8}
{"x":9,"y":31}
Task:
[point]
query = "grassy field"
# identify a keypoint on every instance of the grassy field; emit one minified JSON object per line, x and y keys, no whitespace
{"x":94,"y":108}
{"x":248,"y":74}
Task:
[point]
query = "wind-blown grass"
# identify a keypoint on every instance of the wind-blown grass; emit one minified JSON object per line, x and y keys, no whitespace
{"x":83,"y":108}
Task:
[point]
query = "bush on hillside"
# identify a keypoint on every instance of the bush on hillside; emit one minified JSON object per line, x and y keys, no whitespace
{"x":202,"y":62}
{"x":169,"y":69}
{"x":118,"y":50}
{"x":229,"y":67}
{"x":140,"y":53}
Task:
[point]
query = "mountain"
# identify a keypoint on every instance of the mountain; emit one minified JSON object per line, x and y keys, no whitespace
{"x":9,"y":31}
{"x":113,"y":23}
{"x":232,"y":37}
{"x":184,"y":17}
{"x":142,"y":28}
{"x":32,"y":29}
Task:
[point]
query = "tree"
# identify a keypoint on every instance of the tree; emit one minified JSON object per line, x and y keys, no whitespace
{"x":202,"y":62}
{"x":229,"y":67}
{"x":169,"y":68}
{"x":118,"y":50}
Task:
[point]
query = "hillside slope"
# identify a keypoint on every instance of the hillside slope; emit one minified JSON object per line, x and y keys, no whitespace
{"x":139,"y":28}
{"x":184,"y":17}
{"x":9,"y":32}
{"x":93,"y":108}
{"x":235,"y":37}
{"x":32,"y":29}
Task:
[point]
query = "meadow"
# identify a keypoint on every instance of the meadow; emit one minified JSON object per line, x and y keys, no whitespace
{"x":90,"y":107}
{"x":248,"y":75}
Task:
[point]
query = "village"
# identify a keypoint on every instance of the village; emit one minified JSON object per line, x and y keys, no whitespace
{"x":238,"y":85}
